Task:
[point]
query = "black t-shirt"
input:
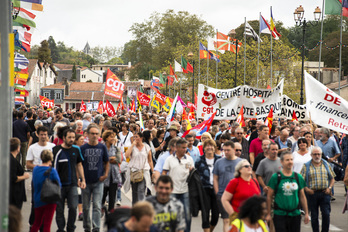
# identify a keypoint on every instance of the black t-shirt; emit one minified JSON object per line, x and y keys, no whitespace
{"x":35,"y":138}
{"x":257,"y":160}
{"x":31,"y":123}
{"x":20,"y":130}
{"x":156,"y":143}
{"x":65,"y":161}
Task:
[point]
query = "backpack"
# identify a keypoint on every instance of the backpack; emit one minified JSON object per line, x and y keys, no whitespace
{"x":276,"y":207}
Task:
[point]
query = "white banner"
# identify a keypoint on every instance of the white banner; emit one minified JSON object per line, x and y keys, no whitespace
{"x":227,"y":102}
{"x":132,"y":92}
{"x":289,"y":106}
{"x":326,"y":108}
{"x":92,"y":106}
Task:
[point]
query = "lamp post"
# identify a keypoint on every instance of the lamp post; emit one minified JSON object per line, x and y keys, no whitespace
{"x":232,"y":34}
{"x":190,"y":56}
{"x":301,"y":21}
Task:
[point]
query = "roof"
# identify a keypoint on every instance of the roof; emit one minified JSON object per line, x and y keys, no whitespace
{"x":85,"y":86}
{"x":31,"y":66}
{"x":54,"y":86}
{"x":335,"y":85}
{"x":64,"y":66}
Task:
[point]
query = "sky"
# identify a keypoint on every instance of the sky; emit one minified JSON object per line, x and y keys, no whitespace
{"x":107,"y":22}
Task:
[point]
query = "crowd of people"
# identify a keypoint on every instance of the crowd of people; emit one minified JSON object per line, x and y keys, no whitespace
{"x":253,"y":177}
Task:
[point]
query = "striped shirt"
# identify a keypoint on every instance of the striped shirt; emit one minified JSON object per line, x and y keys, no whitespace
{"x":318,"y":178}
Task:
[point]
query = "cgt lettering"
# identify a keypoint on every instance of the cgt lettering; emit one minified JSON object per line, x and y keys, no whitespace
{"x":208,"y":110}
{"x":116,"y":85}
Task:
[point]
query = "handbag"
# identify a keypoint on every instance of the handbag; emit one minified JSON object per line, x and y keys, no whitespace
{"x":138,"y":176}
{"x":50,"y":192}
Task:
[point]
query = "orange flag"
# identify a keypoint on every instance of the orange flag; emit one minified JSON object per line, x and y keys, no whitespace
{"x":184,"y":117}
{"x":269,"y":120}
{"x":240,"y":118}
{"x":294,"y":117}
{"x":100,"y":107}
{"x":191,"y":115}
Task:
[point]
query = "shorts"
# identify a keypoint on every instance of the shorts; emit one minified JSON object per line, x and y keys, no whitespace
{"x":222,"y":211}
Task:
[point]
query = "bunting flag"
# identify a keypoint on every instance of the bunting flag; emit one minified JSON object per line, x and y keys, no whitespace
{"x":240,"y":118}
{"x":30,"y":5}
{"x":22,"y":35}
{"x":21,"y":61}
{"x":186,"y":66}
{"x":24,"y":71}
{"x":83,"y":107}
{"x":24,"y":17}
{"x":23,"y":76}
{"x":161,"y":98}
{"x":269,"y":120}
{"x":168,"y":104}
{"x":109,"y":108}
{"x":185,"y":118}
{"x":172,"y":111}
{"x":45,"y":102}
{"x":294,"y":117}
{"x":20,"y":81}
{"x":191,"y":115}
{"x":201,"y":128}
{"x":100,"y":107}
{"x":249,"y":31}
{"x":141,"y":121}
{"x":172,"y":73}
{"x":143,"y":99}
{"x":274,"y":31}
{"x":22,"y":92}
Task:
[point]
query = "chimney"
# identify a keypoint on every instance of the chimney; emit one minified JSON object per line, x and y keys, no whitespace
{"x":66,"y":86}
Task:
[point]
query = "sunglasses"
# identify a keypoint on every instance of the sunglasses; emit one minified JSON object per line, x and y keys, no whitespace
{"x":238,"y":149}
{"x":316,"y":154}
{"x":247,"y":166}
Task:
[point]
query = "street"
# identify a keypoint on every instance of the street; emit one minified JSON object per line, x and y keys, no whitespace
{"x":339,"y":221}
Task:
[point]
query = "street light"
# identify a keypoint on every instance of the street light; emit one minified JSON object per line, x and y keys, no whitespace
{"x":190,"y":56}
{"x":301,"y":21}
{"x":232,"y":34}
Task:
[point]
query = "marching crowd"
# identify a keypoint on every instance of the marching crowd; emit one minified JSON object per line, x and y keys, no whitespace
{"x":253,"y":177}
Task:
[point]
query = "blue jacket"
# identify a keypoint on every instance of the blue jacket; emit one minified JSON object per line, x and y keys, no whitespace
{"x":203,"y":170}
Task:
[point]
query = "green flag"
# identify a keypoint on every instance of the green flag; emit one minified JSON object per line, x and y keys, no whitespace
{"x":128,"y":101}
{"x":333,"y":7}
{"x":162,"y":81}
{"x":186,"y":66}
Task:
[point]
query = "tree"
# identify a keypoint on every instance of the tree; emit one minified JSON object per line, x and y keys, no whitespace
{"x":54,"y":50}
{"x":44,"y":53}
{"x":73,"y":75}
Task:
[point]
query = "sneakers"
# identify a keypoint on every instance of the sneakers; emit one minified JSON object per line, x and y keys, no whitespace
{"x":118,"y":203}
{"x":80,"y":218}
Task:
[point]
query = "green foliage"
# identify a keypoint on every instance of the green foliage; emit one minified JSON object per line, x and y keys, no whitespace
{"x":44,"y":53}
{"x":54,"y":50}
{"x":104,"y":54}
{"x":73,"y":75}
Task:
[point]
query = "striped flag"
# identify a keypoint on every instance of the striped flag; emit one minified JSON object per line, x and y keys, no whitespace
{"x":21,"y":61}
{"x":249,"y":31}
{"x":25,"y":17}
{"x":274,"y":31}
{"x":27,"y":4}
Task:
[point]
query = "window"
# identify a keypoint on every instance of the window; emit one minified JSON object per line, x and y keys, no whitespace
{"x":83,"y":76}
{"x":47,"y":94}
{"x":58,"y":96}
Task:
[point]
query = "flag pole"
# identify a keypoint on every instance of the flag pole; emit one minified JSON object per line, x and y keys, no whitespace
{"x":199,"y":66}
{"x":244,"y":49}
{"x":271,"y":53}
{"x":340,"y":59}
{"x":180,"y":85}
{"x":207,"y":68}
{"x":258,"y":53}
{"x":321,"y":37}
{"x":217,"y":64}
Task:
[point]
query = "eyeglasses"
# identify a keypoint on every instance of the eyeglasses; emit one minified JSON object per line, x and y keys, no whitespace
{"x":247,"y":166}
{"x":238,"y":149}
{"x":239,"y":133}
{"x":316,"y":154}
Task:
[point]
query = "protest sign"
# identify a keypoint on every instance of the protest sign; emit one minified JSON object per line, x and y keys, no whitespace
{"x":288,"y":108}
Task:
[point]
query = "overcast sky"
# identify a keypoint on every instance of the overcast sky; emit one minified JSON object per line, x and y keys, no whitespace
{"x":106,"y":22}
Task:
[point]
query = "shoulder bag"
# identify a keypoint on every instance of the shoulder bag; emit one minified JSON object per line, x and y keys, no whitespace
{"x":50,"y":192}
{"x":138,"y":176}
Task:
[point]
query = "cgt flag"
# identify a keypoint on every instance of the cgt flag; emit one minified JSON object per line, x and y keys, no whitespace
{"x":109,"y":108}
{"x":144,"y":99}
{"x":113,"y":86}
{"x":83,"y":107}
{"x":100,"y":107}
{"x":46,"y":102}
{"x":240,"y":118}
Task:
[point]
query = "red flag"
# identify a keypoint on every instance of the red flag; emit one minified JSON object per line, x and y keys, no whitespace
{"x":83,"y":107}
{"x":113,"y":86}
{"x":20,"y":81}
{"x":118,"y":106}
{"x":224,"y":42}
{"x":269,"y":87}
{"x":240,"y":118}
{"x":170,"y":80}
{"x":191,"y":115}
{"x":133,"y":105}
{"x":161,"y":98}
{"x":143,"y":99}
{"x":196,"y":100}
{"x":269,"y":120}
{"x":100,"y":107}
{"x":172,"y":73}
{"x":122,"y":104}
{"x":294,"y":117}
{"x":200,"y":148}
{"x":46,"y":102}
{"x":190,"y":104}
{"x":109,"y":108}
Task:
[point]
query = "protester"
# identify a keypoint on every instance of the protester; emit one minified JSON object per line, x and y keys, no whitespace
{"x":43,"y":211}
{"x":17,"y":176}
{"x":239,"y":189}
{"x":192,"y":150}
{"x":302,"y":155}
{"x":320,"y":180}
{"x":244,"y":143}
{"x":205,"y":165}
{"x":34,"y":138}
{"x":261,"y":155}
{"x":140,"y":157}
{"x":256,"y":144}
{"x":21,"y":130}
{"x":125,"y":137}
{"x":158,"y":142}
{"x":287,"y":187}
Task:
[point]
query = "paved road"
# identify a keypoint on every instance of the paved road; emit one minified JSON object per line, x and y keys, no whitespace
{"x":339,"y":221}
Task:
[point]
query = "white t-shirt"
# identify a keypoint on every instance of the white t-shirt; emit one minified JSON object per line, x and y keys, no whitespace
{"x":299,"y":160}
{"x":34,"y":152}
{"x":125,"y":142}
{"x":179,"y":171}
{"x":210,"y":163}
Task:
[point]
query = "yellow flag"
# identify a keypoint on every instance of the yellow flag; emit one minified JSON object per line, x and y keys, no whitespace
{"x":22,"y":75}
{"x":167,"y":106}
{"x":155,"y":104}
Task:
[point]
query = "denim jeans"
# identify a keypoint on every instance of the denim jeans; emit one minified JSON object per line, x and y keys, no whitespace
{"x":96,"y":191}
{"x":185,"y":200}
{"x":138,"y":191}
{"x":69,"y":193}
{"x":322,"y":200}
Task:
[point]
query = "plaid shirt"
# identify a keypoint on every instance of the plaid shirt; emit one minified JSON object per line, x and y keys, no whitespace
{"x":318,"y":178}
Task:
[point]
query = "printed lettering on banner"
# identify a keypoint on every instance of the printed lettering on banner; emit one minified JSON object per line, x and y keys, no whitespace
{"x":325,"y":107}
{"x":144,"y":99}
{"x":289,"y":106}
{"x":227,"y":102}
{"x":114,"y":87}
{"x":46,"y":102}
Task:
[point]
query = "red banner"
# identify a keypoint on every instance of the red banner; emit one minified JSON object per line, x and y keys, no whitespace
{"x":46,"y":102}
{"x":161,"y":98}
{"x":113,"y":86}
{"x":100,"y":107}
{"x":189,"y":105}
{"x":144,"y":99}
{"x":110,"y":110}
{"x":83,"y":107}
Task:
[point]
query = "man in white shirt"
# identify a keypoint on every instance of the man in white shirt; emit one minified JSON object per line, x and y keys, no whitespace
{"x":179,"y":166}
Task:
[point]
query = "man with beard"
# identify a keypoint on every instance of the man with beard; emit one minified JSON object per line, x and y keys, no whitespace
{"x":169,"y":212}
{"x":68,"y":162}
{"x":320,"y":180}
